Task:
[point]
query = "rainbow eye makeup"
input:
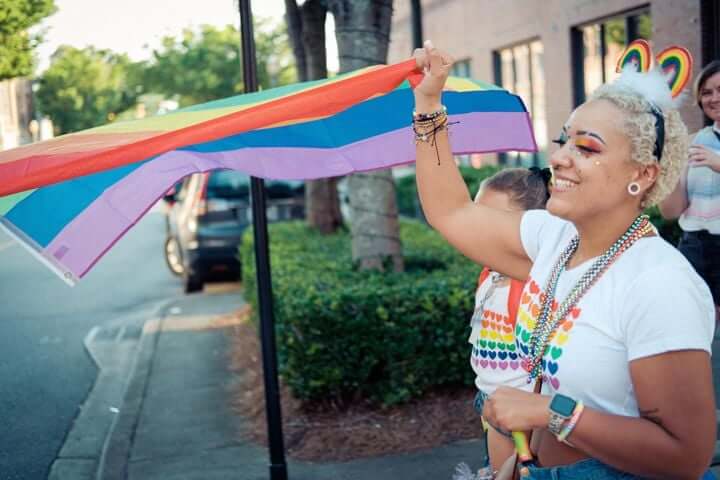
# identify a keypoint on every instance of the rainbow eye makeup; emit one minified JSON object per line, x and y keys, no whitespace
{"x":584,"y":143}
{"x":588,"y":145}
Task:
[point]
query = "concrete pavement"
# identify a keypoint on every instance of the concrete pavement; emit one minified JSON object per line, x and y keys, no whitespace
{"x":175,"y":421}
{"x":46,"y":371}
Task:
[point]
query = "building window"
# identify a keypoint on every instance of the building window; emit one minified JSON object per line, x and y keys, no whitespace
{"x":710,"y":34}
{"x":461,"y":68}
{"x":519,"y":69}
{"x":597,"y":46}
{"x":710,"y":30}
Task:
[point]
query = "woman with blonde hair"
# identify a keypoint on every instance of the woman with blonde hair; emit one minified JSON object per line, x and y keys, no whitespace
{"x":614,"y":325}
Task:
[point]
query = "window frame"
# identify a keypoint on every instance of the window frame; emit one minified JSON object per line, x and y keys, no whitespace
{"x":577,"y":51}
{"x":503,"y":157}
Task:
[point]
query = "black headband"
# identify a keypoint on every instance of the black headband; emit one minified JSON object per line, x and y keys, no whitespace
{"x":659,"y":130}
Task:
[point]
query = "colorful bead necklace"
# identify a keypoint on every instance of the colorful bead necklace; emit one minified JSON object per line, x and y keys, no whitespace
{"x":547,"y":322}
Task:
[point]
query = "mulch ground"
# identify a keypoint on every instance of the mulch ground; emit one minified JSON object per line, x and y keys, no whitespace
{"x":325,"y":433}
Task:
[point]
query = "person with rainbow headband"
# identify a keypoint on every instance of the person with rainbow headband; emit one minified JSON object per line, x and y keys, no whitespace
{"x":614,"y":327}
{"x":696,"y":198}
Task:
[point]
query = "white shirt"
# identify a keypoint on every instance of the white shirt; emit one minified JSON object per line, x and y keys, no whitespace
{"x":648,"y":302}
{"x":494,"y":356}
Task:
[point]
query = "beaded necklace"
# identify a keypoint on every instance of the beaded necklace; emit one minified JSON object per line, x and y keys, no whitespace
{"x":547,"y":322}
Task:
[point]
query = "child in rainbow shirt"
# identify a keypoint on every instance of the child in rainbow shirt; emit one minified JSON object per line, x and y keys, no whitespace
{"x":494,"y":357}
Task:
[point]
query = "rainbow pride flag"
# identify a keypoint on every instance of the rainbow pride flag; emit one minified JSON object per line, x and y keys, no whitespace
{"x":71,"y":198}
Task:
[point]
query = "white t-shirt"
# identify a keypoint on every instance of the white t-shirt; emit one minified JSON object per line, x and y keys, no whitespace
{"x":648,"y":302}
{"x":494,"y":356}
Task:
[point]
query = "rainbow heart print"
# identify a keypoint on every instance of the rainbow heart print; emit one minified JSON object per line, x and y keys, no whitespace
{"x":528,"y":313}
{"x":495,"y":348}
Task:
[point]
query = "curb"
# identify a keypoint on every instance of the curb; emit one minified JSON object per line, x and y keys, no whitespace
{"x":113,"y":461}
{"x":112,"y":348}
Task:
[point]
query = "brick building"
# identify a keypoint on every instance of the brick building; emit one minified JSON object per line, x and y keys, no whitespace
{"x":553,"y":53}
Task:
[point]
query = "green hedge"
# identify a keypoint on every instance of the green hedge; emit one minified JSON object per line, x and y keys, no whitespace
{"x":345,"y":334}
{"x":407,"y":190}
{"x":385,"y":337}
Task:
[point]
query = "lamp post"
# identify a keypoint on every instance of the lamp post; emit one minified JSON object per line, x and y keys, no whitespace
{"x":278,"y":467}
{"x":417,"y":35}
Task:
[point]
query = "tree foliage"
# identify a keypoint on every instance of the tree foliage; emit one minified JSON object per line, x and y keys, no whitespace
{"x":16,"y":44}
{"x":203,"y":65}
{"x":84,"y":88}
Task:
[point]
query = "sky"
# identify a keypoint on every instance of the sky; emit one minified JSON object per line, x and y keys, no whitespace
{"x":130,"y":26}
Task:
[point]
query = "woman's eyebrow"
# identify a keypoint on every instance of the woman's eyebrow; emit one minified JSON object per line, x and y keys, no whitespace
{"x":591,"y":134}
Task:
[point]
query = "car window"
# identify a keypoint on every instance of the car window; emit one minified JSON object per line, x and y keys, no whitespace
{"x":279,"y":189}
{"x":228,"y":184}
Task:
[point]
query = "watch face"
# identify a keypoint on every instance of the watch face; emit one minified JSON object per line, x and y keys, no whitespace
{"x":562,"y":405}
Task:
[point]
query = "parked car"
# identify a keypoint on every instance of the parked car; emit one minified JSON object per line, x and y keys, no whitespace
{"x":207,"y":215}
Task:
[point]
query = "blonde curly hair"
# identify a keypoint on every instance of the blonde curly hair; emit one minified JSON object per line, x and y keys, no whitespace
{"x":639,"y":125}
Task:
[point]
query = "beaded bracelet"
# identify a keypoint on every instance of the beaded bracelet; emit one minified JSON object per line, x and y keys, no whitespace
{"x":427,"y":125}
{"x":432,"y":127}
{"x":570,"y":426}
{"x":429,"y":116}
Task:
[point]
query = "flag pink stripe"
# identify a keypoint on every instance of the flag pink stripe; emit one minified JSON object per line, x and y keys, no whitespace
{"x":84,"y":240}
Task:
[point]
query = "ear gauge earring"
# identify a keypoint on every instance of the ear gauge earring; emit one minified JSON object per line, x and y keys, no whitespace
{"x":633,"y":189}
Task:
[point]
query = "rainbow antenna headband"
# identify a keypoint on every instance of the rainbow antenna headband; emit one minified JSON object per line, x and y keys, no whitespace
{"x":659,"y":85}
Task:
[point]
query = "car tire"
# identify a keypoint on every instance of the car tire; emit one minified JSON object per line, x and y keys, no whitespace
{"x":173,"y":256}
{"x":192,"y":283}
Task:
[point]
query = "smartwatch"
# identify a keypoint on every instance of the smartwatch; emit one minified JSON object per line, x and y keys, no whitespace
{"x":561,"y":409}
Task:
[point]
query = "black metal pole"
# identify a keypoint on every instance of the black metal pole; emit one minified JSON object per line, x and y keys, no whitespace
{"x":417,"y":35}
{"x":417,"y":32}
{"x":278,"y":467}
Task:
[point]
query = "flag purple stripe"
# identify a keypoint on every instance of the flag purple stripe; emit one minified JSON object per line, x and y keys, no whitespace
{"x":85,"y":239}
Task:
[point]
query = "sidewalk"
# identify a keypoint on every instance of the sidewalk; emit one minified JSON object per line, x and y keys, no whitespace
{"x":176,"y":421}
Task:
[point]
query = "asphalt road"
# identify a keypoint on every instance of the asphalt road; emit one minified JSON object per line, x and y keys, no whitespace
{"x":45,"y":373}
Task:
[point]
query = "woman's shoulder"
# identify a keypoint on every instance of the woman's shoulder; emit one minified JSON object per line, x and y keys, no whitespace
{"x":541,"y":231}
{"x":656,"y":265}
{"x":661,"y":303}
{"x":548,"y":222}
{"x":655,"y":252}
{"x":704,"y":134}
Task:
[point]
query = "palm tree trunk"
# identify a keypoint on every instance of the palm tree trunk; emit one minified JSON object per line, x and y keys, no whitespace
{"x":362,"y":29}
{"x":306,"y":28}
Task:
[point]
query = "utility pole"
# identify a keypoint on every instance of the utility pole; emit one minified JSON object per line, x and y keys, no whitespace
{"x":278,"y":466}
{"x":417,"y":31}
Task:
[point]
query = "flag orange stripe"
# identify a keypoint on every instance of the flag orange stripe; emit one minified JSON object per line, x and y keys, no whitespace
{"x":20,"y":175}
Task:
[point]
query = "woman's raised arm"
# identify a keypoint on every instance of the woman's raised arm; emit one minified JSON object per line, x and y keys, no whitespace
{"x":485,"y":235}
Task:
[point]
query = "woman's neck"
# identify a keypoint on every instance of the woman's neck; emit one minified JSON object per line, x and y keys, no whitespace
{"x":598,"y":235}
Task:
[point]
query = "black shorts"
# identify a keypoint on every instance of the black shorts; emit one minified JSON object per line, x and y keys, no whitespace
{"x":702,"y":249}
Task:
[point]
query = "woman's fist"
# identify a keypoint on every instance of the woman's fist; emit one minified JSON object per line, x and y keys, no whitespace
{"x":435,"y":66}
